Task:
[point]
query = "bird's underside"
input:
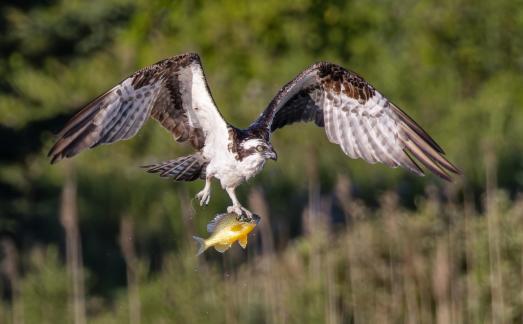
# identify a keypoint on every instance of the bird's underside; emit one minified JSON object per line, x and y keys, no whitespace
{"x":175,"y":93}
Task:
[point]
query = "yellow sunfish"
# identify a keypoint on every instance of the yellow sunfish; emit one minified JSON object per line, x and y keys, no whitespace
{"x":226,"y":229}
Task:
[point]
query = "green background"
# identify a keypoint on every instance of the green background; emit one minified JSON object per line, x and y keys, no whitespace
{"x":343,"y":241}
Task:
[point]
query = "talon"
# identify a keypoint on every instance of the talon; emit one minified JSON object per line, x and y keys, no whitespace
{"x":234,"y":209}
{"x":246,"y":212}
{"x":244,"y":218}
{"x":204,"y":197}
{"x":244,"y":215}
{"x":248,"y":217}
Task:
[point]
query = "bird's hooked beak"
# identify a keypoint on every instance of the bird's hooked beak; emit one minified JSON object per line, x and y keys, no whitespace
{"x":272,"y":154}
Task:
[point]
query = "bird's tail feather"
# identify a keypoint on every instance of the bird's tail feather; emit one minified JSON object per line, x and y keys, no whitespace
{"x":200,"y":243}
{"x":185,"y":168}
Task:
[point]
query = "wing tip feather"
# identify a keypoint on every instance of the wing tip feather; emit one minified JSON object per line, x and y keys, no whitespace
{"x":428,"y":161}
{"x":414,"y":126}
{"x":55,"y":155}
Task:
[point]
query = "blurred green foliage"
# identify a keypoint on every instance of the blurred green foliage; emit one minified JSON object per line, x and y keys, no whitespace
{"x":455,"y":66}
{"x":390,"y":266}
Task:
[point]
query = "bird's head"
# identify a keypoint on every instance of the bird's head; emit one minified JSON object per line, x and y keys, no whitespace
{"x":259,"y":147}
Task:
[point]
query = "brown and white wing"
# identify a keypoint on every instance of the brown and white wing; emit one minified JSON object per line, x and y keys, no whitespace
{"x":173,"y":91}
{"x":357,"y":117}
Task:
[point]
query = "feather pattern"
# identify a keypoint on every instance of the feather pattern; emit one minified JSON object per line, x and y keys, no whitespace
{"x":357,"y":117}
{"x":185,"y":168}
{"x":173,"y":91}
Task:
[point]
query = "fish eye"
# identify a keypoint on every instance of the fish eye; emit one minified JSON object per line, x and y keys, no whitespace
{"x":259,"y":148}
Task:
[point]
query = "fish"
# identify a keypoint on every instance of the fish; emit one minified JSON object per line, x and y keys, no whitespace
{"x":226,"y":229}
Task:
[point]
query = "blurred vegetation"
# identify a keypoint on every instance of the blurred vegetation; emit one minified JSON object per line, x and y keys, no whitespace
{"x":348,"y":242}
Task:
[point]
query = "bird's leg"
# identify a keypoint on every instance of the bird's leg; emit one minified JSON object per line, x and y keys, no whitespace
{"x":205,"y":195}
{"x":243,"y":213}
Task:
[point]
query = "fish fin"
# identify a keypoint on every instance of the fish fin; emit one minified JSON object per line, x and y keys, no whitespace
{"x":211,"y":226}
{"x":222,"y":247}
{"x":200,"y":243}
{"x":243,"y":242}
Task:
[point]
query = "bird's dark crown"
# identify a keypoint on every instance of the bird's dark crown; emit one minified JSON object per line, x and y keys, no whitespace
{"x":238,"y":138}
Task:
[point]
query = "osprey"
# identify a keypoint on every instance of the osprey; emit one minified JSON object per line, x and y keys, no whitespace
{"x":175,"y":93}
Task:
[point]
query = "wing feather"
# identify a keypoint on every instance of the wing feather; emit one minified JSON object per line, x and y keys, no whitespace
{"x":348,"y":138}
{"x":362,"y":142}
{"x":358,"y":118}
{"x":388,"y":141}
{"x":330,"y":122}
{"x":173,"y":91}
{"x":336,"y":123}
{"x":374,"y":137}
{"x":344,"y":135}
{"x":353,"y":124}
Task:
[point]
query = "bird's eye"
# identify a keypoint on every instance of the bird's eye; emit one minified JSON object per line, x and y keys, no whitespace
{"x":259,"y":148}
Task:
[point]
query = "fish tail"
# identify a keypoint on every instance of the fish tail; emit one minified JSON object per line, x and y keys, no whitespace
{"x":200,"y":243}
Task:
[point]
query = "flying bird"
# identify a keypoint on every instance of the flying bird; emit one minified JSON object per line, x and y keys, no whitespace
{"x":174,"y":92}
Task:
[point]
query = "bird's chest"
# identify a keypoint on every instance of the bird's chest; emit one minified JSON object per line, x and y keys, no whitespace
{"x":232,"y":172}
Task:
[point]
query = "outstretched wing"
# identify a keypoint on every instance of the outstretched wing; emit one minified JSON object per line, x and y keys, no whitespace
{"x":173,"y":91}
{"x":357,"y":117}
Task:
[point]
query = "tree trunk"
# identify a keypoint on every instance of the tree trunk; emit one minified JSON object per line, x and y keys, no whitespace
{"x":69,"y":220}
{"x":131,"y":262}
{"x":10,"y":270}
